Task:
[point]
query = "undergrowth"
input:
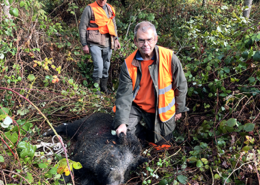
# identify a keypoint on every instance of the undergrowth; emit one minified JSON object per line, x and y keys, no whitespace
{"x":45,"y":78}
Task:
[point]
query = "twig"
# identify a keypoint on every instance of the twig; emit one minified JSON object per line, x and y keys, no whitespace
{"x":163,"y":162}
{"x":16,"y":174}
{"x":4,"y":177}
{"x":236,"y":170}
{"x":8,"y":147}
{"x":16,"y":125}
{"x":65,"y":151}
{"x":212,"y":175}
{"x":244,"y":106}
{"x":256,"y":168}
{"x":256,"y":117}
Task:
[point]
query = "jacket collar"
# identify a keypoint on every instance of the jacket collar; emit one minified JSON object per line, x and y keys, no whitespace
{"x":138,"y":57}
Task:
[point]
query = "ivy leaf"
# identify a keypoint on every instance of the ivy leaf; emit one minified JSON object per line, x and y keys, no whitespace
{"x":5,"y":109}
{"x":13,"y":137}
{"x":42,"y":165}
{"x":182,"y":179}
{"x":249,"y":127}
{"x":53,"y":171}
{"x":251,"y":79}
{"x":246,"y":148}
{"x":22,"y":112}
{"x":29,"y":177}
{"x":76,"y":165}
{"x":231,"y":122}
{"x":22,"y":3}
{"x":14,"y":12}
{"x":70,"y":81}
{"x":2,"y":159}
{"x":31,"y":77}
{"x":27,"y":149}
{"x":199,"y":164}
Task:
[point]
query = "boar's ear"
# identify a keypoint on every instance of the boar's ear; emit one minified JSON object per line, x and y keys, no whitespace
{"x":122,"y":139}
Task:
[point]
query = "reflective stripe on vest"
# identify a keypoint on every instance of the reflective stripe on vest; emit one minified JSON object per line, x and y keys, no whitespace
{"x":166,"y":100}
{"x":105,"y":24}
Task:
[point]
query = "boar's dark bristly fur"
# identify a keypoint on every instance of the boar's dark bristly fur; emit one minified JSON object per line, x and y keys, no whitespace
{"x":106,"y":159}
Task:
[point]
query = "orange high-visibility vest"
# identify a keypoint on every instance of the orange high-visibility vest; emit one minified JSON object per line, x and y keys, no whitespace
{"x":166,"y":98}
{"x":105,"y":24}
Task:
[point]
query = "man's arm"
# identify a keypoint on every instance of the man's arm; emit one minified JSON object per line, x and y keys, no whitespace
{"x":84,"y":22}
{"x":179,"y":85}
{"x":124,"y":98}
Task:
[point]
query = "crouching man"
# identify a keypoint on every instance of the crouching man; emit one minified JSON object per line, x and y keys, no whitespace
{"x":152,"y":87}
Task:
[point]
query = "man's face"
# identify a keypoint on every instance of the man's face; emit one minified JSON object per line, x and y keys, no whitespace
{"x":102,"y":2}
{"x":145,"y":41}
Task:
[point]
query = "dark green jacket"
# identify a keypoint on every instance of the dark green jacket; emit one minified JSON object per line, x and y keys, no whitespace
{"x":124,"y":97}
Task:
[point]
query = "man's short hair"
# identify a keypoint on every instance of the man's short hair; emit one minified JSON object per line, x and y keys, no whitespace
{"x":144,"y":26}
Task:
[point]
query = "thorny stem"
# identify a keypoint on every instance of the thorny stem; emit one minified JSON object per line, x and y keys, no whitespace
{"x":163,"y":162}
{"x":16,"y":124}
{"x":72,"y":176}
{"x":17,"y":174}
{"x":8,"y":147}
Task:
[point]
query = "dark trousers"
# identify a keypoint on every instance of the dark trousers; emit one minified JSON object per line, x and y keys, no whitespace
{"x":144,"y":131}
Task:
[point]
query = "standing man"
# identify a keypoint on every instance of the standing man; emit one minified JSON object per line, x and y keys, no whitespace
{"x":152,"y":86}
{"x":98,"y":35}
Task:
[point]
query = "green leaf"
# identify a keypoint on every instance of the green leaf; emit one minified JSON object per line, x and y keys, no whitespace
{"x":2,"y":159}
{"x":42,"y":165}
{"x":76,"y":165}
{"x":70,"y":81}
{"x":204,"y":160}
{"x":182,"y":179}
{"x":163,"y":182}
{"x":31,"y":77}
{"x":256,"y":56}
{"x":251,"y":79}
{"x":245,"y":54}
{"x":29,"y":177}
{"x":199,"y":164}
{"x":226,"y":69}
{"x":53,"y":170}
{"x":27,"y":149}
{"x":22,"y":3}
{"x":231,"y":122}
{"x":13,"y":137}
{"x":246,"y":148}
{"x":22,"y":112}
{"x":14,"y":12}
{"x":216,"y":176}
{"x":96,"y":85}
{"x":249,"y":127}
{"x":2,"y":112}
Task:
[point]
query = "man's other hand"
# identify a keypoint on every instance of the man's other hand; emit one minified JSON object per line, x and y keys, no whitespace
{"x":117,"y":44}
{"x":121,"y":128}
{"x":86,"y":49}
{"x":177,"y":116}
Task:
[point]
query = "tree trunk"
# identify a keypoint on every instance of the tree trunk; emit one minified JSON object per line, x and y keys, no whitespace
{"x":246,"y":12}
{"x":204,"y":3}
{"x":6,"y":9}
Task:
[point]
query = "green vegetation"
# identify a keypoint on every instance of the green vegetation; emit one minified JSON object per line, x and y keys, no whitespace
{"x":46,"y":80}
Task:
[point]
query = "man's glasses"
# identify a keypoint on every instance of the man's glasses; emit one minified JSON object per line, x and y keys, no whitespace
{"x":143,"y":41}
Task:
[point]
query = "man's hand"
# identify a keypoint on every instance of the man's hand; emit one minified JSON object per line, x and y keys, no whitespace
{"x":121,"y":128}
{"x":117,"y":44}
{"x":177,"y":116}
{"x":86,"y":49}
